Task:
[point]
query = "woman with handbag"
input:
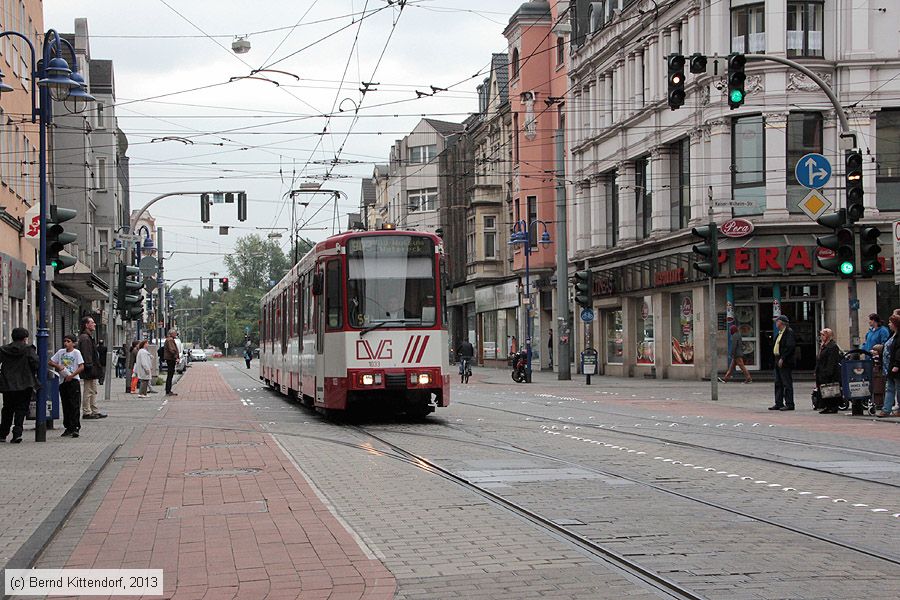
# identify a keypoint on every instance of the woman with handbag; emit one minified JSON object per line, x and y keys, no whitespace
{"x":143,"y":368}
{"x":828,"y":373}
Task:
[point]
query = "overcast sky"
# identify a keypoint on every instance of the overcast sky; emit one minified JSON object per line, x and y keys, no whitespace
{"x":264,"y":138}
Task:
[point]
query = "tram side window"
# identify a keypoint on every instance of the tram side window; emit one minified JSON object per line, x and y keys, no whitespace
{"x":333,"y":304}
{"x":284,"y":320}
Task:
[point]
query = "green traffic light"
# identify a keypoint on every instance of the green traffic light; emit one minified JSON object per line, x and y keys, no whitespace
{"x":737,"y":96}
{"x":847,"y":267}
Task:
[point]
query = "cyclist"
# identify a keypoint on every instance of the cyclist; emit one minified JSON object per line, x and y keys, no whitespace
{"x":465,"y":353}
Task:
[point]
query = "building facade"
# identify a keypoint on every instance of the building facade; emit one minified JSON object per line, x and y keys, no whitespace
{"x":644,"y":174}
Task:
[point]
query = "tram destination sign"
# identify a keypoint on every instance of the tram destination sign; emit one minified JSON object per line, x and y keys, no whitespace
{"x":374,"y":246}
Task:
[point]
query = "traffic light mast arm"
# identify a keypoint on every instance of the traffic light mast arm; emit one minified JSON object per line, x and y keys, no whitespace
{"x":137,"y":217}
{"x":842,"y":116}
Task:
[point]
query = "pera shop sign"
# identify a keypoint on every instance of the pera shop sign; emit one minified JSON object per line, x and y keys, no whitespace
{"x":736,"y":228}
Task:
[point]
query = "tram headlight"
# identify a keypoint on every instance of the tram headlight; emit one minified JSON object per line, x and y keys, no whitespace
{"x":424,"y":378}
{"x":367,"y":379}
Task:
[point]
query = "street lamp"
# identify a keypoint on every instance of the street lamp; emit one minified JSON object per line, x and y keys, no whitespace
{"x":521,"y":234}
{"x":54,"y":78}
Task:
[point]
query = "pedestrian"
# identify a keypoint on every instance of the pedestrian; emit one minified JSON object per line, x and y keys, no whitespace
{"x":550,"y":348}
{"x":877,"y":333}
{"x":170,"y":355}
{"x":891,"y":369}
{"x":69,"y":363}
{"x":736,"y":356}
{"x":121,"y":358}
{"x":248,"y":353}
{"x":101,"y":353}
{"x":828,"y":372}
{"x":129,"y":371}
{"x":783,"y":351}
{"x":18,"y":380}
{"x":465,"y":352}
{"x":89,"y":376}
{"x":878,"y":379}
{"x":143,"y":368}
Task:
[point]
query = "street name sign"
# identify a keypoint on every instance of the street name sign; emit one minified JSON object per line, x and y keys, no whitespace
{"x":813,"y":171}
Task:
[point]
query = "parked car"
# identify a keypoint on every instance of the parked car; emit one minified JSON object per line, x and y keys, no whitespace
{"x":198,"y":355}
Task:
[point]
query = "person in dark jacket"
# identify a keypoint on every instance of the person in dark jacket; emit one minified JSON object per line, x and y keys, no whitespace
{"x":783,"y":350}
{"x":828,"y":369}
{"x":18,"y":379}
{"x":88,"y":348}
{"x":891,"y":363}
{"x":736,"y":356}
{"x":129,"y":368}
{"x":102,"y":353}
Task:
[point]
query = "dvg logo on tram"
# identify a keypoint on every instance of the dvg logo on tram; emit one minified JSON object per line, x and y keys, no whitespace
{"x":382,"y":352}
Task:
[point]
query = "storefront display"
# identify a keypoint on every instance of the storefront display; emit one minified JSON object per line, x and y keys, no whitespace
{"x":615,"y":335}
{"x":645,"y":339}
{"x":683,"y":328}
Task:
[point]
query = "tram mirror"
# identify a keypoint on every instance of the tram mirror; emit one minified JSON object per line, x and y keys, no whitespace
{"x":317,"y":284}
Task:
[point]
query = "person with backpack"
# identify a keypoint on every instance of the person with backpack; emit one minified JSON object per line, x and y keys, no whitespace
{"x":18,"y":379}
{"x":828,"y":372}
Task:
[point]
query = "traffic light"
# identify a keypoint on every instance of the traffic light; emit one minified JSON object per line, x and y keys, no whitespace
{"x":840,"y":243}
{"x":698,"y":63}
{"x":868,"y":251}
{"x":210,"y":285}
{"x":736,"y":79}
{"x":58,"y":237}
{"x":584,"y":285}
{"x":129,"y":296}
{"x":708,"y":251}
{"x":854,"y":177}
{"x":242,"y":206}
{"x":204,"y":208}
{"x":223,"y":281}
{"x":676,"y":80}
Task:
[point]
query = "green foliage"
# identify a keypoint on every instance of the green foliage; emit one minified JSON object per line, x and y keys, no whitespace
{"x":255,"y":262}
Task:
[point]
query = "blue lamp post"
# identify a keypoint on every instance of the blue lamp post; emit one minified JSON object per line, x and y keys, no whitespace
{"x":521,"y":234}
{"x":54,"y":79}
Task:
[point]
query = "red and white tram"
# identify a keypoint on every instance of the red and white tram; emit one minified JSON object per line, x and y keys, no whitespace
{"x":360,"y":320}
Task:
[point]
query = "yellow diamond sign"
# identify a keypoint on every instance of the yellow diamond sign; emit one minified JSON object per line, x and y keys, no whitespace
{"x":814,"y":204}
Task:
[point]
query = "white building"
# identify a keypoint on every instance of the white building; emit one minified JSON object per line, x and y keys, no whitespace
{"x":644,"y":174}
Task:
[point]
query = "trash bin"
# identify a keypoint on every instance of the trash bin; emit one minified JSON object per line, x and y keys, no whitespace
{"x":856,"y":379}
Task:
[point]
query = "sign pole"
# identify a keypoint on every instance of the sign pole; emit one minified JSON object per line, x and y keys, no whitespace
{"x":713,"y":371}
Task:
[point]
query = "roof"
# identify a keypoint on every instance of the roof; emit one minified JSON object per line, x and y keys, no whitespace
{"x":445,"y":127}
{"x":368,"y":192}
{"x":534,"y":8}
{"x":101,"y":81}
{"x":500,"y":70}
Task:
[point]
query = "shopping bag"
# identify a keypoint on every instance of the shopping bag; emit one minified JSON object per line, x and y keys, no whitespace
{"x":134,"y":383}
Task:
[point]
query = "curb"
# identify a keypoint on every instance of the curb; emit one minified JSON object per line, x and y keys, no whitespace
{"x":27,"y":555}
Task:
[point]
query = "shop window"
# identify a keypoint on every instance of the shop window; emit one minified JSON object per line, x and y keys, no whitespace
{"x":615,"y":336}
{"x":748,"y":165}
{"x":683,"y":328}
{"x":645,"y":340}
{"x":745,"y":319}
{"x":748,"y":29}
{"x":804,"y":135}
{"x":744,"y":292}
{"x":887,"y":165}
{"x":681,"y":184}
{"x":489,"y":335}
{"x":805,"y":25}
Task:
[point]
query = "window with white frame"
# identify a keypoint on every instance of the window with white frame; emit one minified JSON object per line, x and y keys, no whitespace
{"x":748,"y":167}
{"x":748,"y":29}
{"x":490,"y":237}
{"x":101,"y":174}
{"x":470,"y":239}
{"x":102,"y":258}
{"x":422,"y":154}
{"x":805,"y":26}
{"x":424,"y":199}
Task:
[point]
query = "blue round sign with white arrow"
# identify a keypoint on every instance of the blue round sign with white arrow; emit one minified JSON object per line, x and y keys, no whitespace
{"x":813,"y":171}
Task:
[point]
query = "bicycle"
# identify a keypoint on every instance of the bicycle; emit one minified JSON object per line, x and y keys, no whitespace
{"x":465,"y":371}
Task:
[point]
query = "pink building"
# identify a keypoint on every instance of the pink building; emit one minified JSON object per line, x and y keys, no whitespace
{"x":538,"y":50}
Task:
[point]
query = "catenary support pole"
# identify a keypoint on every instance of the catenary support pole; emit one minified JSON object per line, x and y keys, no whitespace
{"x":713,"y":321}
{"x":563,"y":356}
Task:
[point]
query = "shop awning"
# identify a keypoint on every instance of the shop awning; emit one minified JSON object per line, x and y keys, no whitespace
{"x":82,"y":285}
{"x":780,"y":240}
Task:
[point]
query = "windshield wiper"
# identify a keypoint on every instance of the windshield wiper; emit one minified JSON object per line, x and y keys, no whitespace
{"x":380,"y":324}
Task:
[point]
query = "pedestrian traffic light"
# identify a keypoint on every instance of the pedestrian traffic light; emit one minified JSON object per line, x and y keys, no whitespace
{"x":736,"y":78}
{"x":584,"y":286}
{"x":869,"y":249}
{"x":128,"y":296}
{"x":840,"y":259}
{"x":708,"y":251}
{"x":58,"y":237}
{"x":204,"y":208}
{"x":676,"y":80}
{"x":855,"y":209}
{"x":223,"y":281}
{"x":242,"y":206}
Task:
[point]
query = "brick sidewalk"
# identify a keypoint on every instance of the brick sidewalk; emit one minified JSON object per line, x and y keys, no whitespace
{"x":224,"y":512}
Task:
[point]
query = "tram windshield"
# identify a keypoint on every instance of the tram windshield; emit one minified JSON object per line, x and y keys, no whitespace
{"x":391,"y":278}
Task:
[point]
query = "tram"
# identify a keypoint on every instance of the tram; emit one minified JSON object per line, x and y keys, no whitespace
{"x":361,"y":320}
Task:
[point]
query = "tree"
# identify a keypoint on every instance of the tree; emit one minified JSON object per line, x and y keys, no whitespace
{"x":256,"y":262}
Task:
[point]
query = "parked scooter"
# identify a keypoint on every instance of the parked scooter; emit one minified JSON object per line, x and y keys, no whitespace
{"x":519,"y":366}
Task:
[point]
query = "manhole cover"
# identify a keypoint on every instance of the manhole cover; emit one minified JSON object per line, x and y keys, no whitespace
{"x":223,"y":472}
{"x":230,"y":444}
